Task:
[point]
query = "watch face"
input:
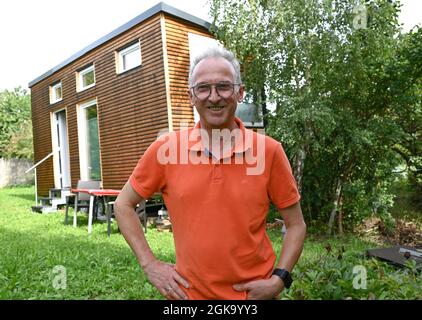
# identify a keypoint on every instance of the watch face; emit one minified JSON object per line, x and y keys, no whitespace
{"x":285,"y":276}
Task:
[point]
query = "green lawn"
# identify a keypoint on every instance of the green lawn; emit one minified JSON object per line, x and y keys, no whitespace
{"x":34,"y":245}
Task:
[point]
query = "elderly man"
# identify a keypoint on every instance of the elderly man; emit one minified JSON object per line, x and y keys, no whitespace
{"x":217,"y":186}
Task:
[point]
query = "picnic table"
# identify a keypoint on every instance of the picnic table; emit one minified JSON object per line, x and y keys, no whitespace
{"x":107,"y":197}
{"x":95,"y":195}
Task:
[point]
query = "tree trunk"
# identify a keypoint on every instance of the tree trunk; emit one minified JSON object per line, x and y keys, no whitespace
{"x":310,"y":212}
{"x":264,"y":107}
{"x":335,"y":207}
{"x":340,"y":217}
{"x":299,"y":165}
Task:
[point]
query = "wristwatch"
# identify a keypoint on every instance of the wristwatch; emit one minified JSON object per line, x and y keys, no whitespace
{"x":285,"y":276}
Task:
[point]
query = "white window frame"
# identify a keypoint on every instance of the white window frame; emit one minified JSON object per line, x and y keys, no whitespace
{"x":121,"y":53}
{"x":80,"y":78}
{"x":53,"y":96}
{"x":65,"y":153}
{"x":83,"y":157}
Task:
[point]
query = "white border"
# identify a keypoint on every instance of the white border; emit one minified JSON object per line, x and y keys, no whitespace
{"x":53,"y":96}
{"x":55,"y":148}
{"x":120,"y":54}
{"x":83,"y":159}
{"x":79,"y":80}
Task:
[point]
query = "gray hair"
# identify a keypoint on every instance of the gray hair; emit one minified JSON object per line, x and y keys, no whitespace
{"x":216,"y":52}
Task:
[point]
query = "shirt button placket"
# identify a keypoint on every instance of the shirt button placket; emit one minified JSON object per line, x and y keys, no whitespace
{"x":216,"y":172}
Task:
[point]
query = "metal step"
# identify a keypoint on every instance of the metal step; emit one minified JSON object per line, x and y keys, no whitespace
{"x":55,"y":193}
{"x":57,"y":197}
{"x":37,"y":209}
{"x":57,"y":202}
{"x":48,"y":209}
{"x":45,"y":201}
{"x":43,"y":209}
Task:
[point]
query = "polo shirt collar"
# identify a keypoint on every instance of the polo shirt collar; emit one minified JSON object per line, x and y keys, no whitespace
{"x":195,"y":143}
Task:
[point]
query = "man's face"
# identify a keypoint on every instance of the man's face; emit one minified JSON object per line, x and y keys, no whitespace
{"x":216,"y":112}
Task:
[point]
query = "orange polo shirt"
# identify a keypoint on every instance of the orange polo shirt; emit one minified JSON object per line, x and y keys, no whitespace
{"x":218,"y":207}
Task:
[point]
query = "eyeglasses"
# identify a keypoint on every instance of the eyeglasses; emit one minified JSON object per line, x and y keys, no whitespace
{"x":224,"y":90}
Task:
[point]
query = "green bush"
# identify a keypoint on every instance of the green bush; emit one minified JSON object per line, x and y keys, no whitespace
{"x":336,"y":272}
{"x":15,"y":124}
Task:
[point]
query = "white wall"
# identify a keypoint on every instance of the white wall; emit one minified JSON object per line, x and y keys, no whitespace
{"x":198,"y":44}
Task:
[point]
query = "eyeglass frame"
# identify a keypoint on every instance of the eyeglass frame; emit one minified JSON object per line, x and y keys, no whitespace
{"x":216,"y":90}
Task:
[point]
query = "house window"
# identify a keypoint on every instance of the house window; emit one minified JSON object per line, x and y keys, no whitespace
{"x":89,"y":142}
{"x":129,"y":58}
{"x":250,"y":111}
{"x":86,"y":78}
{"x":56,"y":93}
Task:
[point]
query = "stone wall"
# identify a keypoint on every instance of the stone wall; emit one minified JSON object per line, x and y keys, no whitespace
{"x":12,"y":172}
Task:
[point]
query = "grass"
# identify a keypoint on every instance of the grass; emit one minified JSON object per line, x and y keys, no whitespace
{"x":97,"y":267}
{"x":34,"y":245}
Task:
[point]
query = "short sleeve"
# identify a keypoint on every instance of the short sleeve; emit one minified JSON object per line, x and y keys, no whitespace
{"x":148,"y":175}
{"x":282,"y":186}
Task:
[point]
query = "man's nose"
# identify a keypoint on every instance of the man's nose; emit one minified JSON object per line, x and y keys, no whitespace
{"x":214,"y":97}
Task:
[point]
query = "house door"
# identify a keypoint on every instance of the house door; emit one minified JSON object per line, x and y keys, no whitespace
{"x":61,"y":157}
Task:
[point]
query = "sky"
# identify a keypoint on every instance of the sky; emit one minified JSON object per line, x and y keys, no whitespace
{"x":38,"y":35}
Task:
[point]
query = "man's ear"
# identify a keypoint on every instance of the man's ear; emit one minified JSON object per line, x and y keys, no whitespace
{"x":241,"y":93}
{"x":191,"y":97}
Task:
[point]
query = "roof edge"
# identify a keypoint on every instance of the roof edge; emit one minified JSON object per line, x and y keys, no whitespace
{"x":160,"y":7}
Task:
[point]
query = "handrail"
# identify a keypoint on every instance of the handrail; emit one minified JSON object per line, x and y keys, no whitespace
{"x":41,"y":161}
{"x":34,"y":167}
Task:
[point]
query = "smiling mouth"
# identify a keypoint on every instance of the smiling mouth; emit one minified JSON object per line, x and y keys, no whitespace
{"x":216,"y":108}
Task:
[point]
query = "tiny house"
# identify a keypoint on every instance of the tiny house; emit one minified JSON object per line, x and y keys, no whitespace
{"x":97,"y":112}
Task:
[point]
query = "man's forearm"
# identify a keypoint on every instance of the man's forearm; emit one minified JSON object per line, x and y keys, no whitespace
{"x":292,"y":246}
{"x":131,"y":228}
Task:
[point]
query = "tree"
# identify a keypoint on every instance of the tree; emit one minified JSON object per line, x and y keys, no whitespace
{"x":15,"y":124}
{"x":327,"y":66}
{"x":405,"y":94}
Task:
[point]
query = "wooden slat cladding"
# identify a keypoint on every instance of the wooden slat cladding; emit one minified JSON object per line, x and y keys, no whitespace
{"x":132,"y":107}
{"x":42,"y":140}
{"x":177,"y":44}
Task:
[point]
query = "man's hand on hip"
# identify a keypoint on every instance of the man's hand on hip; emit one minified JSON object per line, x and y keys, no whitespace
{"x":166,"y":279}
{"x":261,"y":289}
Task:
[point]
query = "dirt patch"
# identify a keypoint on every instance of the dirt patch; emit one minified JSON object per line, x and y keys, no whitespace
{"x":405,"y":232}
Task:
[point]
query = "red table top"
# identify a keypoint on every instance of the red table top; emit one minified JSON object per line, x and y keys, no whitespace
{"x":99,"y":192}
